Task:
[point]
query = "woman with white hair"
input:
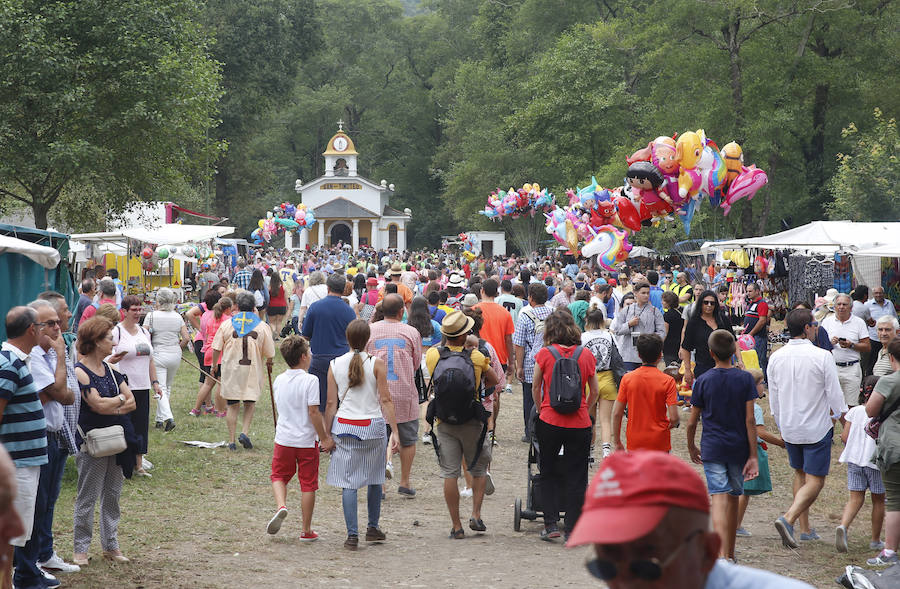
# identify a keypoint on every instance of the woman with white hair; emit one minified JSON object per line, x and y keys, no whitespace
{"x":168,"y":335}
{"x":314,"y":292}
{"x":887,"y":328}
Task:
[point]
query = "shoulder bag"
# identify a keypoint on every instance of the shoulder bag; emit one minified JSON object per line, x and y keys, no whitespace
{"x":104,"y":441}
{"x":874,"y":425}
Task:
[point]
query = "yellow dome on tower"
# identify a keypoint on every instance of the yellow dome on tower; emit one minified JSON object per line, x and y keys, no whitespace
{"x":340,"y":144}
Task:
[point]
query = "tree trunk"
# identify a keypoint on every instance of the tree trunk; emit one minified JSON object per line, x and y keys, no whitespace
{"x":39,"y":209}
{"x":815,"y":150}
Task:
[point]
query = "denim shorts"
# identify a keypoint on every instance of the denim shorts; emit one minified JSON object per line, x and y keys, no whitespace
{"x":814,"y":459}
{"x":724,"y":477}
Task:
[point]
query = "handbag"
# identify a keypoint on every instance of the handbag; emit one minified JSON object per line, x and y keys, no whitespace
{"x":874,"y":425}
{"x":421,"y":387}
{"x":103,"y":441}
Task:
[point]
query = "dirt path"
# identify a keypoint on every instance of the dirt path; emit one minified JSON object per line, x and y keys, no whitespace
{"x":200,"y":522}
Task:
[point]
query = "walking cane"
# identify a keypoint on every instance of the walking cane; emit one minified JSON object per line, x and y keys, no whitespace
{"x":272,"y":395}
{"x":192,"y":365}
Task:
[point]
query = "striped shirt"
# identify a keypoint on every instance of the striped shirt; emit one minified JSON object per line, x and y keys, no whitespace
{"x":23,"y":431}
{"x":527,"y":337}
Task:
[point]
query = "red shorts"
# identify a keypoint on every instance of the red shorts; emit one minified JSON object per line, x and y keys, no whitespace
{"x":287,"y":460}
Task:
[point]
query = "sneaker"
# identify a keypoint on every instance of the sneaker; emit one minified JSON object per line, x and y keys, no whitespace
{"x":467,"y":492}
{"x":426,"y":438}
{"x":146,"y":464}
{"x":159,"y":425}
{"x":406,"y":492}
{"x":222,"y":414}
{"x":56,"y":563}
{"x":477,"y":525}
{"x":245,"y":441}
{"x":48,"y":579}
{"x":309,"y":536}
{"x":882,"y":560}
{"x":525,"y":439}
{"x":812,"y":535}
{"x":786,"y":531}
{"x":606,"y":450}
{"x":277,"y":520}
{"x":194,"y":413}
{"x":207,"y":409}
{"x":876,"y":545}
{"x":351,"y":543}
{"x":508,"y":389}
{"x":232,"y":446}
{"x":742,"y":533}
{"x":389,"y":470}
{"x":170,"y":425}
{"x":840,"y":539}
{"x":489,"y":484}
{"x":549,"y":534}
{"x":374,"y":535}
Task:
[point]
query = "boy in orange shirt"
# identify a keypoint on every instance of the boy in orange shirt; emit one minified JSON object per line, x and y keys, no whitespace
{"x":651,"y":398}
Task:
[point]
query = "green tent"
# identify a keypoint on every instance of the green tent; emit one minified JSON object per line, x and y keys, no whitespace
{"x":24,"y":270}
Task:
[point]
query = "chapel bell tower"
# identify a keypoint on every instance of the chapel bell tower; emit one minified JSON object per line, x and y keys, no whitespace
{"x":340,"y":154}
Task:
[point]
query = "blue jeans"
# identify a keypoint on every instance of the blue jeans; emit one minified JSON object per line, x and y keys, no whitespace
{"x":761,"y":345}
{"x":373,"y":500}
{"x":527,"y":405}
{"x":319,"y":368}
{"x":40,"y":547}
{"x":295,"y":325}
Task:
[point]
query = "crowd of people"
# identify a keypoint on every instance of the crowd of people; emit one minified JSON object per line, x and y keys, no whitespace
{"x":385,"y":351}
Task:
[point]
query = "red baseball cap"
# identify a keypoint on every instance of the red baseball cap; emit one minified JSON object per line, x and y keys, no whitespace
{"x":632,"y":492}
{"x":371,"y":281}
{"x":612,"y":282}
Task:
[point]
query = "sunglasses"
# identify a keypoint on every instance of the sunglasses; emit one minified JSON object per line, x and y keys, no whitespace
{"x":710,"y":303}
{"x":646,"y":569}
{"x":49,"y":323}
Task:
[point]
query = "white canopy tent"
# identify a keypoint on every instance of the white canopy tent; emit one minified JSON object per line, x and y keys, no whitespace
{"x":825,"y":237}
{"x":640,"y":251}
{"x":43,"y":255}
{"x":170,"y":234}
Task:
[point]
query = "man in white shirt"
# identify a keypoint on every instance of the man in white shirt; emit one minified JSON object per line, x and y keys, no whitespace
{"x":850,"y":338}
{"x":804,"y":396}
{"x":878,"y":307}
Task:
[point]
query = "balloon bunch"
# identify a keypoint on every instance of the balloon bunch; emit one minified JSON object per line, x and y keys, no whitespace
{"x":283,"y":217}
{"x":151,"y":257}
{"x":516,"y":203}
{"x":471,"y":246}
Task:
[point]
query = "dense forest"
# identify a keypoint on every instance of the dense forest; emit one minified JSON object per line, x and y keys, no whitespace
{"x":451,"y":99}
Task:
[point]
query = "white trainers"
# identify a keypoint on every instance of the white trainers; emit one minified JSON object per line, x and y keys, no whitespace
{"x":508,"y":389}
{"x":467,"y":492}
{"x":389,"y":470}
{"x":426,"y":438}
{"x":56,"y":564}
{"x":146,"y":464}
{"x":276,"y":521}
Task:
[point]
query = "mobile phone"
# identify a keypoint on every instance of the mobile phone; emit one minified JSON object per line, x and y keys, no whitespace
{"x":842,"y":339}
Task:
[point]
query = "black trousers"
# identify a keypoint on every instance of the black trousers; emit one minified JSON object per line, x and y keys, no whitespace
{"x":572,"y":467}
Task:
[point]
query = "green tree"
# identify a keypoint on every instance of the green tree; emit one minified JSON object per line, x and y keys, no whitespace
{"x":116,"y":95}
{"x":865,"y":184}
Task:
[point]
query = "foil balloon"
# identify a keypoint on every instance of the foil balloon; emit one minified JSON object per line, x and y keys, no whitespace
{"x":628,"y":213}
{"x":688,"y":150}
{"x":173,"y":250}
{"x":745,"y":185}
{"x":686,"y":214}
{"x":746,"y":342}
{"x":147,"y":265}
{"x":571,"y":236}
{"x":147,"y":253}
{"x":734,"y":162}
{"x":610,"y":246}
{"x":190,"y":251}
{"x":163,"y":252}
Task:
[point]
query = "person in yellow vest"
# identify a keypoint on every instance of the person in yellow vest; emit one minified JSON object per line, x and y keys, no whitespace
{"x":682,"y":288}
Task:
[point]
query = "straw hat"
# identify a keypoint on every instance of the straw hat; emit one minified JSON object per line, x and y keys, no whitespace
{"x":456,"y":324}
{"x":456,"y":281}
{"x":396,"y":270}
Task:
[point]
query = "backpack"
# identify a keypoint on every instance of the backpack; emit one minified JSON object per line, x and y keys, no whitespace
{"x":456,"y":395}
{"x":566,"y":391}
{"x":538,"y":323}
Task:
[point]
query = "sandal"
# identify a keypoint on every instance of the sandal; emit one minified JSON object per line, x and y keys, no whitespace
{"x":477,"y":525}
{"x":457,"y":534}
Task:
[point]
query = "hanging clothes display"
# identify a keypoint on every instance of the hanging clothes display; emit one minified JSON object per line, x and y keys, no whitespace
{"x":808,"y":277}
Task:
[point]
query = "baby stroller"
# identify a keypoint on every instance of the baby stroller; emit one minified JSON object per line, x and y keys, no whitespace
{"x":535,"y":482}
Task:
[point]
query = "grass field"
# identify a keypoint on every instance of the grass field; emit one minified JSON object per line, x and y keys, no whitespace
{"x":200,"y":521}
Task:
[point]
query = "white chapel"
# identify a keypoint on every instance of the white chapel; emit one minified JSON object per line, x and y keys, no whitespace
{"x":348,"y":207}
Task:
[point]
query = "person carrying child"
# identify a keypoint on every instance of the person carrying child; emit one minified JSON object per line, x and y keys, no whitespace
{"x":723,"y":397}
{"x":300,"y":424}
{"x":651,"y":399}
{"x":862,"y":474}
{"x":762,"y":483}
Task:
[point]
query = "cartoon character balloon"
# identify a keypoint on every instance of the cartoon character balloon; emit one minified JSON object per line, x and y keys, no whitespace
{"x":610,"y":245}
{"x":688,"y":150}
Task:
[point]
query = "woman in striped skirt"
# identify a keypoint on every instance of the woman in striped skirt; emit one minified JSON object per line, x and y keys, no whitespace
{"x":358,"y":383}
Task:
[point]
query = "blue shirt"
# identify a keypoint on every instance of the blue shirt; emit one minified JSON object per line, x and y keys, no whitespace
{"x":23,"y":431}
{"x":721,"y":394}
{"x":656,"y":297}
{"x":611,"y":308}
{"x":325,"y":325}
{"x":725,"y":575}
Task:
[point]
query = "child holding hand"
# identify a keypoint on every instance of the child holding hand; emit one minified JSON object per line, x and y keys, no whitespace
{"x":300,"y":424}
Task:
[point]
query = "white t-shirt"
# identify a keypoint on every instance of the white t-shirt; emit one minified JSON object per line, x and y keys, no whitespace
{"x":313,"y":294}
{"x":165,"y":328}
{"x":853,"y":329}
{"x":295,"y":391}
{"x":136,"y":363}
{"x":860,"y":447}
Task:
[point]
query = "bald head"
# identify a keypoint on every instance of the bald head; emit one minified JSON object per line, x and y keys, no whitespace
{"x":19,"y":321}
{"x":392,"y":306}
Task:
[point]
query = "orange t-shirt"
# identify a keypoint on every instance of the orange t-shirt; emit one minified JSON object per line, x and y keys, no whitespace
{"x":647,"y":392}
{"x":497,"y":326}
{"x":402,"y":290}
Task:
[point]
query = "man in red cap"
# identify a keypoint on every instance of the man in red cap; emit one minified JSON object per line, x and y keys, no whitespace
{"x":647,"y":515}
